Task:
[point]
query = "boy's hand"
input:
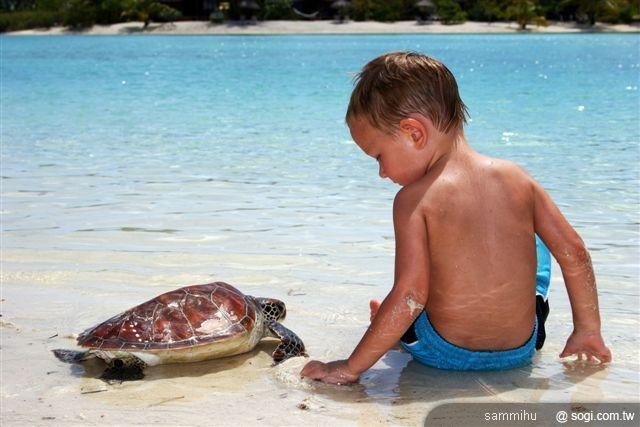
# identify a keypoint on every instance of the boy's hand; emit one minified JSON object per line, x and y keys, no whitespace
{"x":588,"y":346}
{"x":331,"y":373}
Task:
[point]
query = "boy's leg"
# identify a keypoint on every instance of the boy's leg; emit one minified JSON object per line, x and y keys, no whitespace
{"x":543,"y":278}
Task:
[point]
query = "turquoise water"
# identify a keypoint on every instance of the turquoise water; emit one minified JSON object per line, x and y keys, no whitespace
{"x":173,"y":134}
{"x":107,"y":116}
{"x":130,"y":162}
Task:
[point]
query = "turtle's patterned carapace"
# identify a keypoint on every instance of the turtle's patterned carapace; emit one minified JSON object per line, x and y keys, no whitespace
{"x":185,"y":317}
{"x":190,"y":324}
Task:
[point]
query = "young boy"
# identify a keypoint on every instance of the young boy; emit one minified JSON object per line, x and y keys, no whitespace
{"x":465,"y":224}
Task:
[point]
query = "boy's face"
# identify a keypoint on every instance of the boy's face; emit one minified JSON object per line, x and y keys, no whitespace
{"x":399,"y":157}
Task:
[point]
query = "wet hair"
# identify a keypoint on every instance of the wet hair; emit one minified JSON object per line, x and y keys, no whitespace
{"x":396,"y":84}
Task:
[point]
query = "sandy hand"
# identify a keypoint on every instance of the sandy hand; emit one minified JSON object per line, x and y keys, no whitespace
{"x":587,"y":346}
{"x":331,"y":373}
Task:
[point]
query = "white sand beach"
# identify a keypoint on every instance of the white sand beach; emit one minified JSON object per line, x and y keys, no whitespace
{"x":246,"y":390}
{"x":330,"y":27}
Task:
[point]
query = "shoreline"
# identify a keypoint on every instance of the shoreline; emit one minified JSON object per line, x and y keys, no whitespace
{"x":329,"y":27}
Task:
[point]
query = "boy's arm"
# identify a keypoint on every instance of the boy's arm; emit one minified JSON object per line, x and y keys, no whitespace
{"x":569,"y":250}
{"x":401,"y":306}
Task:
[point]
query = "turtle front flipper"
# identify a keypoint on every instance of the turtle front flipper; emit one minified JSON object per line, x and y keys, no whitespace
{"x":290,"y":346}
{"x":130,"y":368}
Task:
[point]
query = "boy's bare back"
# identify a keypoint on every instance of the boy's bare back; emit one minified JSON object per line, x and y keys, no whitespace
{"x":478,"y":213}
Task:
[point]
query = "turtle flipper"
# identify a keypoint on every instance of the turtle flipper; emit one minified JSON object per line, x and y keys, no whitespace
{"x":290,"y":344}
{"x":125,"y":369}
{"x":73,"y":356}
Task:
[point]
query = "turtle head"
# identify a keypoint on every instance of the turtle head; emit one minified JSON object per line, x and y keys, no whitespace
{"x":272,"y":309}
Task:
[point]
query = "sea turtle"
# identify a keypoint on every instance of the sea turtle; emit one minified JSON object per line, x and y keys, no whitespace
{"x":189,"y":324}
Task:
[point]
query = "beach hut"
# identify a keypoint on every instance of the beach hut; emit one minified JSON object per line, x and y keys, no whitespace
{"x":425,"y":9}
{"x":341,"y":7}
{"x":248,"y":8}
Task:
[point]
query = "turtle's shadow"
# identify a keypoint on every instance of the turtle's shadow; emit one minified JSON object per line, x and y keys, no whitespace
{"x":95,"y":368}
{"x":404,"y":381}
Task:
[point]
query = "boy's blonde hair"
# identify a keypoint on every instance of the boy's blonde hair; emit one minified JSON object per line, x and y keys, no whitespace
{"x":396,"y":84}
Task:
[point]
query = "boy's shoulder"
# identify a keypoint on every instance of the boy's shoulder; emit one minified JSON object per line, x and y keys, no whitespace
{"x":448,"y":184}
{"x":483,"y":167}
{"x":484,"y":162}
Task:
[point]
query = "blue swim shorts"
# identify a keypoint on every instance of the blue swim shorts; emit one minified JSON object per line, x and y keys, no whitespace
{"x":427,"y":346}
{"x":543,"y":270}
{"x":433,"y":350}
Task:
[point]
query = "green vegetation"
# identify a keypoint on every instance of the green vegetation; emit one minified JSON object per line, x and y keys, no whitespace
{"x":78,"y":14}
{"x":522,"y":11}
{"x":525,"y":12}
{"x":450,"y":12}
{"x":20,"y":20}
{"x":278,"y":9}
{"x":147,"y":10}
{"x":605,"y":10}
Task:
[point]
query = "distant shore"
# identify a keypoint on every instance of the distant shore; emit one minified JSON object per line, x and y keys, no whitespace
{"x":330,"y":27}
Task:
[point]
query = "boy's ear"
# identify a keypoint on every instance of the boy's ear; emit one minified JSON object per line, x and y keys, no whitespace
{"x":416,"y":130}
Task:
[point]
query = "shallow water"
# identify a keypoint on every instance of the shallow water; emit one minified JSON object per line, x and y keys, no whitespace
{"x":134,"y":165}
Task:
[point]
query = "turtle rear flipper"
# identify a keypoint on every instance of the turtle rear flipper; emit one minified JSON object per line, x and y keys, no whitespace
{"x":290,"y":344}
{"x":73,"y":356}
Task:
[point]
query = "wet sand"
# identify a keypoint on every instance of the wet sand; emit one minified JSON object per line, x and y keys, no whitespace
{"x":329,"y":27}
{"x":70,"y":295}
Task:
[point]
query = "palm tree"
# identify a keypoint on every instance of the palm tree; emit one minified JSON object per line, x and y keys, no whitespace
{"x":145,"y":10}
{"x":524,"y":12}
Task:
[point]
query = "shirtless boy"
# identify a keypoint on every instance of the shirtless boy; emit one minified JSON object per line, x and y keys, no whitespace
{"x":465,"y":226}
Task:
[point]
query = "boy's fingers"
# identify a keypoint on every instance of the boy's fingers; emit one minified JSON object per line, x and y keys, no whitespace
{"x":310,"y":373}
{"x":604,"y":357}
{"x":597,"y":358}
{"x":312,"y":369}
{"x":566,"y":352}
{"x":307,"y":369}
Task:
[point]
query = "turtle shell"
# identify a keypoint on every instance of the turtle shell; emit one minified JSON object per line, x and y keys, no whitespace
{"x":186,"y":317}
